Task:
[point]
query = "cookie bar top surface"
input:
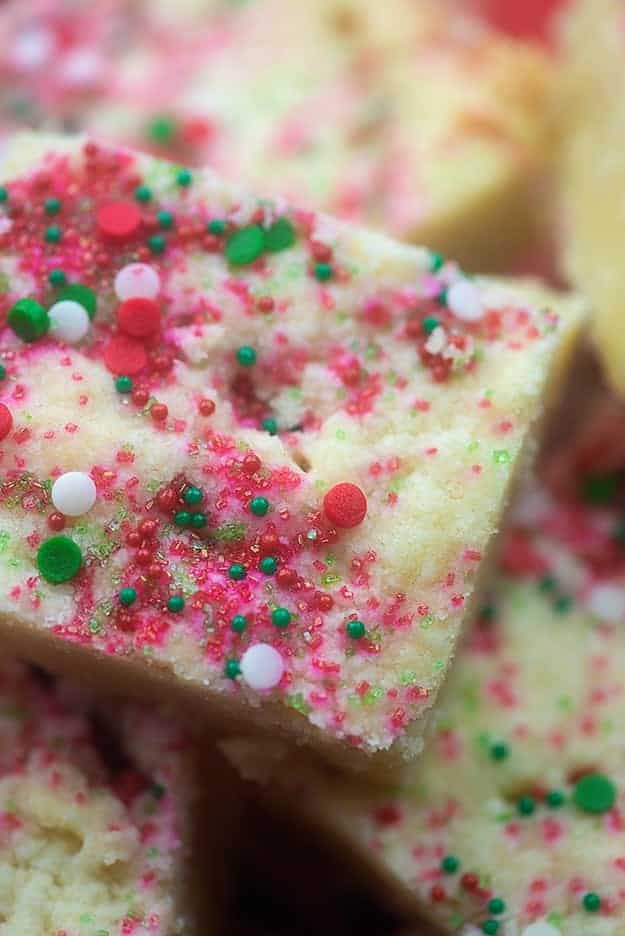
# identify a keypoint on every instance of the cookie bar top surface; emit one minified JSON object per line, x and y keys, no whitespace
{"x":84,"y":843}
{"x":511,"y":822}
{"x":406,"y":120}
{"x":293,"y":438}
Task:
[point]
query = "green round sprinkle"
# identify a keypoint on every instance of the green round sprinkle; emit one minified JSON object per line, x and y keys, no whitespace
{"x":436,"y":261}
{"x":280,"y":236}
{"x":499,"y":751}
{"x":450,"y":864}
{"x":281,"y":617}
{"x":591,"y":902}
{"x":594,"y":793}
{"x":143,"y":193}
{"x":238,"y":623}
{"x":184,"y":178}
{"x":355,"y":629}
{"x":547,"y":583}
{"x":198,"y":520}
{"x":57,"y":278}
{"x":216,"y":226}
{"x":85,"y":296}
{"x":270,"y":425}
{"x":53,"y":234}
{"x":245,"y":245}
{"x":428,"y":324}
{"x":442,"y":297}
{"x":52,"y":206}
{"x":259,"y":506}
{"x":496,"y":906}
{"x":28,"y":319}
{"x":490,"y":927}
{"x":246,"y":355}
{"x":3,"y":371}
{"x":127,"y":596}
{"x":157,"y":243}
{"x":323,"y":272}
{"x":232,"y":669}
{"x":193,"y":495}
{"x":563,"y":604}
{"x":161,"y":129}
{"x":3,"y":194}
{"x":237,"y":571}
{"x":182,"y":518}
{"x":123,"y":384}
{"x":555,"y":799}
{"x":526,"y":805}
{"x":165,"y":219}
{"x":268,"y":565}
{"x":175,"y":603}
{"x":59,"y":559}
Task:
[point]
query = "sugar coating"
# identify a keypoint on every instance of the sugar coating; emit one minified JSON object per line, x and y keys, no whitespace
{"x":412,"y":118}
{"x":332,"y":359}
{"x":591,"y":115}
{"x":514,"y":814}
{"x":85,"y":848}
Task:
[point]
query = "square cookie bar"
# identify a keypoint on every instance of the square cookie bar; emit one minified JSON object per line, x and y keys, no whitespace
{"x":95,"y":833}
{"x":247,"y":449}
{"x":403,"y":115}
{"x":511,"y":822}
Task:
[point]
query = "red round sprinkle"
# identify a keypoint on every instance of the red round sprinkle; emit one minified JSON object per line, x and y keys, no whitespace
{"x":345,"y":505}
{"x":251,"y":463}
{"x":133,"y":539}
{"x":125,"y":356}
{"x":6,"y":421}
{"x":286,"y":578}
{"x":437,"y":893}
{"x":166,"y":499}
{"x":139,"y":317}
{"x":469,"y":881}
{"x":269,"y":544}
{"x":159,"y":412}
{"x":148,"y":527}
{"x":140,"y":396}
{"x":143,"y":557}
{"x":206,"y":407}
{"x":118,"y":220}
{"x":56,"y":521}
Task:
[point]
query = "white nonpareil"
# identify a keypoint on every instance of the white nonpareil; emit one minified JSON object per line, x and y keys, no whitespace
{"x":74,"y":493}
{"x":262,"y":666}
{"x":137,"y":280}
{"x":68,"y":321}
{"x":463,"y":298}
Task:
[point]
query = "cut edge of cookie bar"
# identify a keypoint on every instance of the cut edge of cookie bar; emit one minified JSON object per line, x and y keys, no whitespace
{"x":521,"y":369}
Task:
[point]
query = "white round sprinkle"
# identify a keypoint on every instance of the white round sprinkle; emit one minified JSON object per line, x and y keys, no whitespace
{"x":32,"y":49}
{"x":74,"y":493}
{"x":540,"y":929}
{"x":262,"y":666}
{"x":607,"y":602}
{"x":68,"y":321}
{"x":463,"y":298}
{"x":137,"y":280}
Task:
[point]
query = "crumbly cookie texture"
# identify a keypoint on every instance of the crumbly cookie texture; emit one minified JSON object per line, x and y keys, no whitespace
{"x":250,"y":446}
{"x":511,"y":822}
{"x":86,"y":846}
{"x":593,"y":134}
{"x":409,"y":117}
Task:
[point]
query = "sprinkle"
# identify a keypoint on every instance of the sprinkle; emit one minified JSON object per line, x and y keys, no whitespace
{"x":238,"y":623}
{"x":28,"y":319}
{"x":281,"y":617}
{"x":118,"y":220}
{"x":139,"y":317}
{"x":499,"y":751}
{"x":490,"y":927}
{"x":52,"y":206}
{"x":124,"y":355}
{"x":161,"y":129}
{"x":436,"y":261}
{"x":6,"y":421}
{"x":245,"y":245}
{"x":591,"y":902}
{"x":526,"y":805}
{"x":450,"y":864}
{"x":59,"y":559}
{"x":345,"y":505}
{"x":323,"y":272}
{"x":355,"y":629}
{"x":259,"y":506}
{"x":57,"y":278}
{"x":68,"y":321}
{"x":496,"y":906}
{"x":182,"y":518}
{"x":555,"y":799}
{"x":53,"y":234}
{"x":232,"y":669}
{"x":74,"y":493}
{"x":280,"y":236}
{"x":463,"y":298}
{"x":193,"y":495}
{"x":262,"y":666}
{"x":165,"y":219}
{"x":594,"y":793}
{"x":175,"y":603}
{"x":268,"y":565}
{"x":246,"y":356}
{"x":184,"y":178}
{"x":137,"y":281}
{"x":4,"y":195}
{"x":270,"y":425}
{"x":127,"y":596}
{"x":237,"y":571}
{"x":143,"y":193}
{"x":216,"y":226}
{"x":428,"y":324}
{"x":123,"y":384}
{"x":198,"y":520}
{"x":77,"y":292}
{"x":157,"y":243}
{"x":3,"y":371}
